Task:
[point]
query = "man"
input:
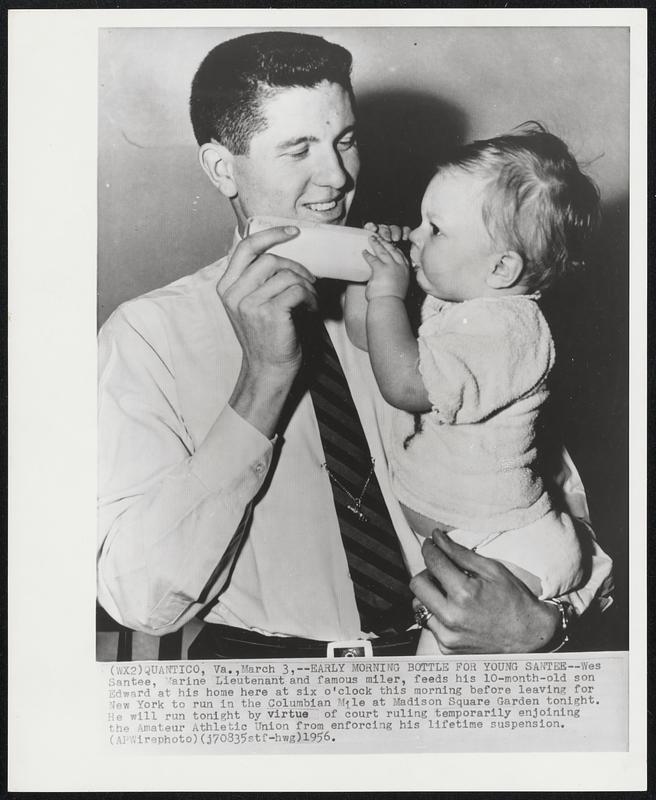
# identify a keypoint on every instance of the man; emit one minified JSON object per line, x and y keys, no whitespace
{"x":222,"y":490}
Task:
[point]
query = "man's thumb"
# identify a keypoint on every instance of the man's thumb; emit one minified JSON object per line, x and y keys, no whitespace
{"x":462,"y":557}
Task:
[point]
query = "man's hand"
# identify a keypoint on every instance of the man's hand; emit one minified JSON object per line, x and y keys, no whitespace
{"x":259,"y":292}
{"x":390,"y":274}
{"x":479,"y":606}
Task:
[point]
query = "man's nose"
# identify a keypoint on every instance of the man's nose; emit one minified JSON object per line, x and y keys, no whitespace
{"x":332,"y":172}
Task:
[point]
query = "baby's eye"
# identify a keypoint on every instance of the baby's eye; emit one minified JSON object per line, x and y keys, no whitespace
{"x":434,"y":229}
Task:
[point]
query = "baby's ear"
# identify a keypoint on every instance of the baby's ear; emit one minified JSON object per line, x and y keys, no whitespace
{"x":507,"y":271}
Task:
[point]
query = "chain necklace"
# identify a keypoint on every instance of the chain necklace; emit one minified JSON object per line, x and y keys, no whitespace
{"x":356,"y":503}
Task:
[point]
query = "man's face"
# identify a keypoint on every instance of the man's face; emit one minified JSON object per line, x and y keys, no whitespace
{"x":305,"y":162}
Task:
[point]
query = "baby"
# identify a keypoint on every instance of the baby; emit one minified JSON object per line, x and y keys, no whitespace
{"x":501,"y":220}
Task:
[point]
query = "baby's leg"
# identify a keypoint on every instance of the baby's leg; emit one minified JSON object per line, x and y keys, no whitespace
{"x":478,"y":543}
{"x":532,"y":581}
{"x":423,"y":525}
{"x":546,"y":555}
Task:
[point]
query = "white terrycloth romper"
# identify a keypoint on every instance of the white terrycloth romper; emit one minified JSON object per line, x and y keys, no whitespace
{"x":472,"y":465}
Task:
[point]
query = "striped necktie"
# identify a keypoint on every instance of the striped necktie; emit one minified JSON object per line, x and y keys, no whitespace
{"x":376,"y":566}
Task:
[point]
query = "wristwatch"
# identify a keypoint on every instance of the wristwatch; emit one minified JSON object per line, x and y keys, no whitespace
{"x":562,"y":632}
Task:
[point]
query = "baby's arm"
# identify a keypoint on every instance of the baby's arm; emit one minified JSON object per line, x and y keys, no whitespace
{"x":393,"y":348}
{"x":355,"y":301}
{"x":355,"y":313}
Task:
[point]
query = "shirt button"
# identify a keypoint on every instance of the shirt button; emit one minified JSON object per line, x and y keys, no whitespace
{"x":259,"y":468}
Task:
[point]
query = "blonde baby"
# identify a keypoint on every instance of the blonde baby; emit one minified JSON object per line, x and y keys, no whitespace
{"x":502,"y":220}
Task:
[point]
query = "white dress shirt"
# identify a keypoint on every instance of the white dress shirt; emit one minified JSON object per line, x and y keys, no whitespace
{"x":169,"y":505}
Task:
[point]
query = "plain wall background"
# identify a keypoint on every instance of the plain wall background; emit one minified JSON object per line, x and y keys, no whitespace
{"x":417,"y":89}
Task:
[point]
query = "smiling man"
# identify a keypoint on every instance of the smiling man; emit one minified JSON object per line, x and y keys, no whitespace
{"x":300,"y":165}
{"x":240,"y":478}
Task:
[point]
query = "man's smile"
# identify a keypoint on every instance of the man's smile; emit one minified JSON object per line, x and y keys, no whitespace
{"x":327,"y":205}
{"x":327,"y":210}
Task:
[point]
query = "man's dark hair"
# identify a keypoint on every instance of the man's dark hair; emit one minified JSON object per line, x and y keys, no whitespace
{"x":237,"y":75}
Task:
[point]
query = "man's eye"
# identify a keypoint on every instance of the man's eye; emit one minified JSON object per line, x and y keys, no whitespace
{"x":346,"y":144}
{"x":299,"y":153}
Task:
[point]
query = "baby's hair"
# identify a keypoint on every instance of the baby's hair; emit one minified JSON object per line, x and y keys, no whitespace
{"x":538,"y":202}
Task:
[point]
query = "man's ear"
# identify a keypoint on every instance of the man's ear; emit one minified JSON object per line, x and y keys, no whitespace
{"x":506,"y":272}
{"x":217,"y":163}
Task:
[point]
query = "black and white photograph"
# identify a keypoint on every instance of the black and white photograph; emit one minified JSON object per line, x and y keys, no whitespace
{"x":268,"y":483}
{"x":357,"y":424}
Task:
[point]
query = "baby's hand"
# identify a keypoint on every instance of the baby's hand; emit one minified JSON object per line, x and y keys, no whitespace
{"x":389,"y":233}
{"x":390,"y":275}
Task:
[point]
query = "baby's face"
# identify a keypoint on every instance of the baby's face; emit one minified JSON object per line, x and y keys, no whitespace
{"x":452,"y":250}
